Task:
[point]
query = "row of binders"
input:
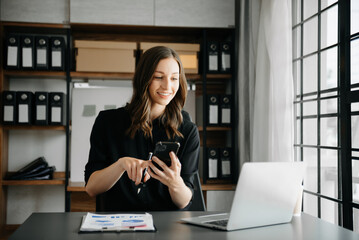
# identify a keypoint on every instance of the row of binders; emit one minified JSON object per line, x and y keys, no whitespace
{"x":219,"y":110}
{"x":28,"y":108}
{"x":219,"y":55}
{"x":29,"y":52}
{"x":38,"y":169}
{"x":219,"y":163}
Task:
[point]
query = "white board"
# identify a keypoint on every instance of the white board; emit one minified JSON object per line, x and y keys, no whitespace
{"x":86,"y":105}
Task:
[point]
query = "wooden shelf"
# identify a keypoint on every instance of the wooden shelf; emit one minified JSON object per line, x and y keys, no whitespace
{"x":32,"y":127}
{"x":116,"y":75}
{"x":36,"y":74}
{"x":59,"y":179}
{"x":214,"y":128}
{"x":219,"y":76}
{"x":76,"y":187}
{"x":101,"y":75}
{"x":218,"y":187}
{"x":39,"y":25}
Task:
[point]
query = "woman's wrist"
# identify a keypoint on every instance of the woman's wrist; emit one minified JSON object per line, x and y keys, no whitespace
{"x":177,"y":186}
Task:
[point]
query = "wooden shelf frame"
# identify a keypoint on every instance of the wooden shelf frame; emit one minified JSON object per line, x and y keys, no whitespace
{"x":116,"y":75}
{"x":59,"y":179}
{"x":35,"y":74}
{"x":34,"y":127}
{"x":215,"y":128}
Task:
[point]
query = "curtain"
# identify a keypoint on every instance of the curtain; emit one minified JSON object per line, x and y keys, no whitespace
{"x":265,"y":87}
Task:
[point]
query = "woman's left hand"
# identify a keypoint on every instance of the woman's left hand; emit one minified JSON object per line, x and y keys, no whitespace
{"x":170,"y":176}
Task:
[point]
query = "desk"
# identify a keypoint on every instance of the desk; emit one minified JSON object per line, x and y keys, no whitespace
{"x":66,"y":225}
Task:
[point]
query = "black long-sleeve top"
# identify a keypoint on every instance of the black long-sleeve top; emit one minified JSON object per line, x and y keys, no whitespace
{"x":109,"y":142}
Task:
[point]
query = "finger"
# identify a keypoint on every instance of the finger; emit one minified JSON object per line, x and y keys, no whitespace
{"x":155,"y":170}
{"x":129,"y":173}
{"x":160,"y":163}
{"x":134,"y":171}
{"x":138,"y":174}
{"x":152,"y":174}
{"x":173,"y":158}
{"x":175,"y":161}
{"x":147,"y":177}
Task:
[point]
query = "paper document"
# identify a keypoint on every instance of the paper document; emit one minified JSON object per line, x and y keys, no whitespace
{"x":117,"y":222}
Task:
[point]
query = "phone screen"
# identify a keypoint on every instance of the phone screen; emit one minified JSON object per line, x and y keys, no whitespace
{"x":162,"y":151}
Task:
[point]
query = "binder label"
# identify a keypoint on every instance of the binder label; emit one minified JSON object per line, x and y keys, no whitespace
{"x":41,"y":56}
{"x":226,"y":61}
{"x":41,"y":112}
{"x":56,"y":59}
{"x":213,"y":114}
{"x":56,"y":114}
{"x":226,"y":168}
{"x":23,"y":113}
{"x":12,"y":56}
{"x":226,"y":115}
{"x":27,"y":57}
{"x":212,"y":168}
{"x":9,"y":114}
{"x":213,"y":63}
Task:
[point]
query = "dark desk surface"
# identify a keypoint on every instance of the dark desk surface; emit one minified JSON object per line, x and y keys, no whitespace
{"x":66,"y":225}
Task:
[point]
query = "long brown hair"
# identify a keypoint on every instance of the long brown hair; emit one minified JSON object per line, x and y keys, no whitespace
{"x":140,"y":104}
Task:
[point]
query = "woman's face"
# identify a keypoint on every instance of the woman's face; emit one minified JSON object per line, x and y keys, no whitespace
{"x":164,"y":84}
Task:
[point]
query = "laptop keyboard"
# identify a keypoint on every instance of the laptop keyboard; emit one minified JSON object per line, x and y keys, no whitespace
{"x":221,"y":223}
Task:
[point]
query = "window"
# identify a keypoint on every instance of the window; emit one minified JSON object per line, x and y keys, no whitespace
{"x":326,"y":80}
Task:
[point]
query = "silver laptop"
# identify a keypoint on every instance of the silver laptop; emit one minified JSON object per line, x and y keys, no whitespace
{"x":266,"y":194}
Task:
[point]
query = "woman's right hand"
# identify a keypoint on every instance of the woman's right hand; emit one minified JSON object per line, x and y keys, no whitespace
{"x":134,"y":168}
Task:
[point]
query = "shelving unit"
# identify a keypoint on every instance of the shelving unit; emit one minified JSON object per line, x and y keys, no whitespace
{"x":6,"y":77}
{"x":75,"y":197}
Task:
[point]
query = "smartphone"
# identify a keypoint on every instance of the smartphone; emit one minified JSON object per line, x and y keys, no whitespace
{"x":162,"y":151}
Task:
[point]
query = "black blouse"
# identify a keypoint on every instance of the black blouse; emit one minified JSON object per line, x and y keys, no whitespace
{"x":109,"y":142}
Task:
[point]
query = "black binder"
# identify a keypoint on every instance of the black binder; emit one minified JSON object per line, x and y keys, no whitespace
{"x":37,"y":165}
{"x":226,"y":55}
{"x":57,"y":53}
{"x":226,"y":110}
{"x":56,"y":111}
{"x":12,"y":52}
{"x":9,"y":107}
{"x":42,"y":53}
{"x":41,"y":116}
{"x":213,"y":161}
{"x":27,"y":52}
{"x":24,"y":107}
{"x":226,"y":163}
{"x":212,"y":57}
{"x":35,"y":170}
{"x":212,"y":110}
{"x":43,"y":174}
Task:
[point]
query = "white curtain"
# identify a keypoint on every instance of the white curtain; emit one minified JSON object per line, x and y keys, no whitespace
{"x":266,"y":118}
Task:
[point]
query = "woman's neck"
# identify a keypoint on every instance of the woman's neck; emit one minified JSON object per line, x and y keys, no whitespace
{"x":156,"y":111}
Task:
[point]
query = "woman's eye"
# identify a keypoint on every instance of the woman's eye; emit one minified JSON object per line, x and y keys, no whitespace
{"x":174,"y":79}
{"x":158,"y":77}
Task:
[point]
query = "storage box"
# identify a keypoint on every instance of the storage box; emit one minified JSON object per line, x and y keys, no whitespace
{"x":105,"y":56}
{"x":188,"y":53}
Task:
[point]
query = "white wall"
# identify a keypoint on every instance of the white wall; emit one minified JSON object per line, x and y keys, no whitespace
{"x":38,"y":11}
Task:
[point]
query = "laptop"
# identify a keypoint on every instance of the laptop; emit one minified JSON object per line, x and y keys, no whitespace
{"x":266,"y":194}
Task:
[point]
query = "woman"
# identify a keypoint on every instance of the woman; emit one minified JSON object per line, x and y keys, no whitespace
{"x":121,"y":140}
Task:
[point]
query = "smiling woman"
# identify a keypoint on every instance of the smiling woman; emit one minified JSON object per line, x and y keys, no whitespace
{"x":122,"y":139}
{"x":164,"y":85}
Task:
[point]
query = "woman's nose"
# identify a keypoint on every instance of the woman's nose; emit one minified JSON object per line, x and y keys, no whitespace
{"x":166,"y":83}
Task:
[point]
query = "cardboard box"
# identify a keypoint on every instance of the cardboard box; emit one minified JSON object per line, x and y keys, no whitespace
{"x":187,"y":52}
{"x":105,"y":56}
